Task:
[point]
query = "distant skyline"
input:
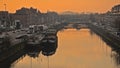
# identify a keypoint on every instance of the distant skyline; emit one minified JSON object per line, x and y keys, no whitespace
{"x":59,"y":6}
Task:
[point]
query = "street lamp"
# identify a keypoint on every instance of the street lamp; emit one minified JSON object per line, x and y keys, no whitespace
{"x":5,"y":6}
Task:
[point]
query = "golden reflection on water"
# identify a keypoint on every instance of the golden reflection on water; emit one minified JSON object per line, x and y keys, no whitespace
{"x":76,"y":49}
{"x":81,"y":50}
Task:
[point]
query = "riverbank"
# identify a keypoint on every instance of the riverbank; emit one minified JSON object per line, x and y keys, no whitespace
{"x":11,"y":51}
{"x":106,"y":35}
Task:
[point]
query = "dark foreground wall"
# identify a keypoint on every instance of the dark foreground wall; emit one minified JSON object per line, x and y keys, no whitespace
{"x":11,"y":51}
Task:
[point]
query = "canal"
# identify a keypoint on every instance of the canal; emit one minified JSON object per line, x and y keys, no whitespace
{"x":75,"y":49}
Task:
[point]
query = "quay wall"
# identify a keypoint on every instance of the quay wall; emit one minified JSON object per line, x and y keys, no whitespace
{"x":11,"y":51}
{"x":107,"y":36}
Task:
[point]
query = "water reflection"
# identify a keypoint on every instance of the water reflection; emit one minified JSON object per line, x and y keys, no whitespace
{"x":34,"y":51}
{"x":86,"y":46}
{"x":72,"y":49}
{"x":115,"y":51}
{"x":49,"y":48}
{"x":116,"y":57}
{"x":46,"y":48}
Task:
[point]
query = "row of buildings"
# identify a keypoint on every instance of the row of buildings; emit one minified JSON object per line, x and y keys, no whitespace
{"x":116,"y":9}
{"x":25,"y":17}
{"x":109,"y":20}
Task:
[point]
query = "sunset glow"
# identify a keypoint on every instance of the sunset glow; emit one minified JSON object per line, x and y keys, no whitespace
{"x":60,"y":5}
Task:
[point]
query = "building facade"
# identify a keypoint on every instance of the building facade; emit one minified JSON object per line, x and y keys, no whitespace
{"x":27,"y":17}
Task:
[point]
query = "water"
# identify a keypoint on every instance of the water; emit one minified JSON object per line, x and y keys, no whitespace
{"x":75,"y":49}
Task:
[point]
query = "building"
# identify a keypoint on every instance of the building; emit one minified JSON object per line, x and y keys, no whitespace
{"x":5,"y":19}
{"x":116,"y":9}
{"x":26,"y":17}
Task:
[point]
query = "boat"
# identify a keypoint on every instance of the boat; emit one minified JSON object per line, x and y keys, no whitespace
{"x":34,"y":40}
{"x":49,"y":39}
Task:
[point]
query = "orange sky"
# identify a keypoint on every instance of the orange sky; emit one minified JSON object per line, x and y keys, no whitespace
{"x":61,"y":5}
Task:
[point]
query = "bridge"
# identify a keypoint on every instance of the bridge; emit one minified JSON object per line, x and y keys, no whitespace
{"x":76,"y":26}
